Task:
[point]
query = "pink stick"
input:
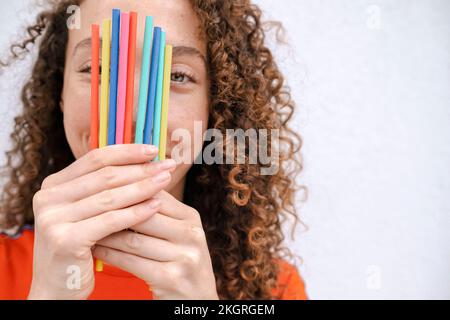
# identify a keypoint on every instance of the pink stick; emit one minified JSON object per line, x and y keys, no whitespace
{"x":122,"y":82}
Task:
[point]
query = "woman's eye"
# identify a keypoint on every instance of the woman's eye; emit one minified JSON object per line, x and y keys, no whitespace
{"x":180,"y":77}
{"x":87,"y":69}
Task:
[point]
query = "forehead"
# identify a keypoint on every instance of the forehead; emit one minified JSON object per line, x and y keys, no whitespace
{"x":176,"y":17}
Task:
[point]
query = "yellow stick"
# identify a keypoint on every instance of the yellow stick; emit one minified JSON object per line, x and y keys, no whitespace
{"x":165,"y":102}
{"x":104,"y":99}
{"x":104,"y":102}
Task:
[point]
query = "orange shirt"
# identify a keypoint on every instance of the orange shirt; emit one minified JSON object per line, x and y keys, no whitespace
{"x":16,"y":264}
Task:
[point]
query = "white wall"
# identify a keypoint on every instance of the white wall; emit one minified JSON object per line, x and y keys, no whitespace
{"x":372,"y":81}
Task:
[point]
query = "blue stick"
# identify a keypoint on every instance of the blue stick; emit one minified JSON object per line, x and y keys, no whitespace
{"x":152,"y":87}
{"x":159,"y":92}
{"x":114,"y":74}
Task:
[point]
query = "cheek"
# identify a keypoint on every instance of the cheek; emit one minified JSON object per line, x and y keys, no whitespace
{"x":188,"y":112}
{"x":183,"y":110}
{"x":77,"y":118}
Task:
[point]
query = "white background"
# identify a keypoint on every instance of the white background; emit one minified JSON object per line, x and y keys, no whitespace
{"x":372,"y":84}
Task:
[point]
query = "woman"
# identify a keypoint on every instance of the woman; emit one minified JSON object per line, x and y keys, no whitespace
{"x":184,"y":230}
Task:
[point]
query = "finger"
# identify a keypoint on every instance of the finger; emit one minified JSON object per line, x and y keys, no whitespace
{"x":115,"y":155}
{"x":114,"y":199}
{"x":161,"y":227}
{"x":106,"y":178}
{"x":172,"y":207}
{"x":173,"y":230}
{"x":141,"y":245}
{"x":146,"y":269}
{"x":101,"y":226}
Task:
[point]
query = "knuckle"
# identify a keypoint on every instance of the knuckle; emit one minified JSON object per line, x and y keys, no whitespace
{"x":177,"y":277}
{"x":47,"y":182}
{"x":112,"y":220}
{"x":38,"y":200}
{"x":44,"y":197}
{"x":142,"y":185}
{"x":195,"y":234}
{"x":106,"y":198}
{"x":194,"y":214}
{"x":133,"y":241}
{"x":81,"y":253}
{"x":173,"y":273}
{"x":190,"y":258}
{"x":43,"y":222}
{"x":58,"y":239}
{"x":96,"y":159}
{"x":146,"y":168}
{"x":138,"y":211}
{"x":108,"y":175}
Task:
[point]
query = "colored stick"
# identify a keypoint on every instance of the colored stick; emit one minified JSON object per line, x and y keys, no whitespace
{"x":165,"y":102}
{"x":130,"y":78}
{"x":95,"y":57}
{"x":159,"y":92}
{"x":122,"y":81}
{"x":152,"y":87}
{"x":104,"y":104}
{"x":106,"y":40}
{"x":114,"y":73}
{"x":143,"y":88}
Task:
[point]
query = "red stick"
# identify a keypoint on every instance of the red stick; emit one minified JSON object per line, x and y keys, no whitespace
{"x":130,"y":75}
{"x":95,"y":74}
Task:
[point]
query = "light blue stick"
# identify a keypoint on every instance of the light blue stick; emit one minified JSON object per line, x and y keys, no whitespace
{"x":145,"y":78}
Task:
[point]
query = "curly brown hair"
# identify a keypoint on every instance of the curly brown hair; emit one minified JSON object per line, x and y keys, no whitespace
{"x":242,"y":213}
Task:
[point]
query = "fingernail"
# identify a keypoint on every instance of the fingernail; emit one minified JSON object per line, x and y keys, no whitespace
{"x":155,"y":203}
{"x":150,"y":150}
{"x":167,"y":164}
{"x":161,"y":177}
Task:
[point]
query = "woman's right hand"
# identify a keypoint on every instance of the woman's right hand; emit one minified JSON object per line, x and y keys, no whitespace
{"x":106,"y":191}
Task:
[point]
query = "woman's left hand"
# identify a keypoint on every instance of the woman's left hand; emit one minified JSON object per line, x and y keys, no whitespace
{"x":168,"y":251}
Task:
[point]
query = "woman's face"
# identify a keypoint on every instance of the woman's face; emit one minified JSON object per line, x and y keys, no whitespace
{"x":189,"y":87}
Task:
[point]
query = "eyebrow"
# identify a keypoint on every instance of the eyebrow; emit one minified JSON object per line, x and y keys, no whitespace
{"x":177,"y":50}
{"x":185,"y":50}
{"x":86,"y":43}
